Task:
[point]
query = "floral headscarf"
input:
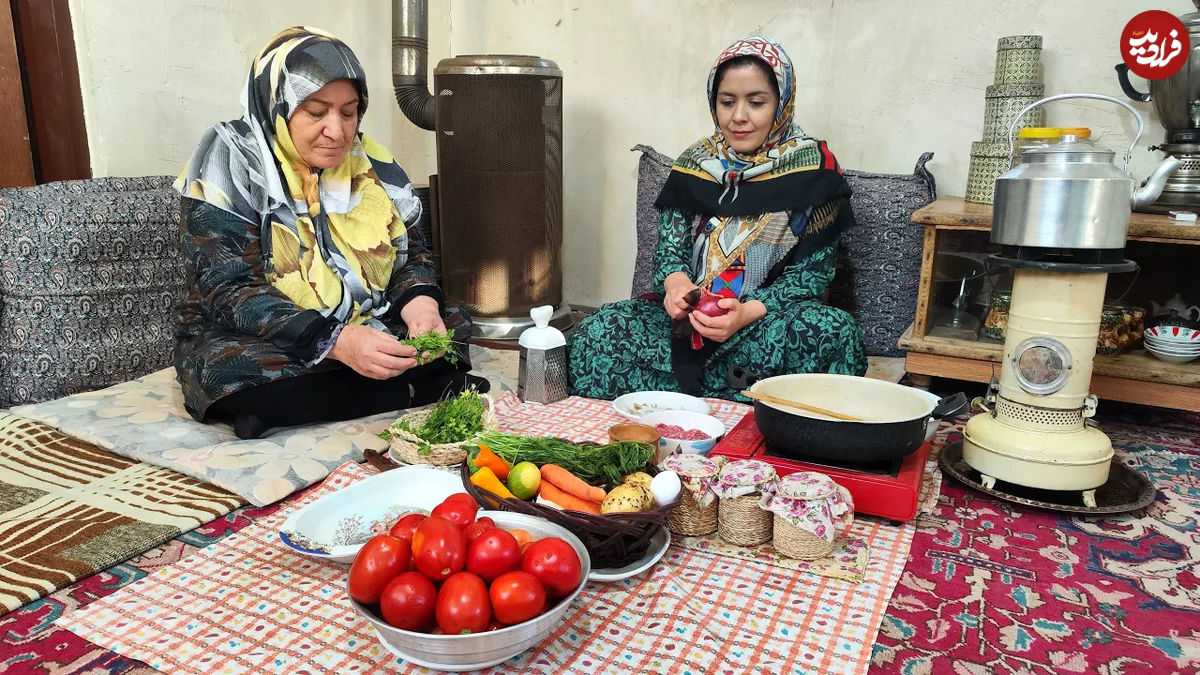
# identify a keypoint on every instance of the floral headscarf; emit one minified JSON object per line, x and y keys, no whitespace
{"x":785,"y":133}
{"x":331,"y":239}
{"x":727,"y":173}
{"x":736,"y":195}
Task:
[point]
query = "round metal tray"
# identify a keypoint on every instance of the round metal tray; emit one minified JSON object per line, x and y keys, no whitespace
{"x":1126,"y":489}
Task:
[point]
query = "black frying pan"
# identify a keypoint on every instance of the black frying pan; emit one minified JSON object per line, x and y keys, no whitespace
{"x":896,"y":417}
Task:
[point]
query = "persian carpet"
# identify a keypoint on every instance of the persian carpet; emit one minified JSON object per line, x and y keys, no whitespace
{"x":994,"y":587}
{"x":69,"y":509}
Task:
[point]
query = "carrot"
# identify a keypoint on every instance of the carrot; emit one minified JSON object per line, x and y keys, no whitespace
{"x":573,"y":485}
{"x":486,"y":479}
{"x":548,"y":492}
{"x":491,"y":460}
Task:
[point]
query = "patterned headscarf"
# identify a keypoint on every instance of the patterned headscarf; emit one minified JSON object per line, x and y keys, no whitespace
{"x":737,"y":195}
{"x":717,"y":158}
{"x":331,"y":239}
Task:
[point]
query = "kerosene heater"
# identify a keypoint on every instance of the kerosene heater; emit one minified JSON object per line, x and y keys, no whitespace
{"x":1060,"y":217}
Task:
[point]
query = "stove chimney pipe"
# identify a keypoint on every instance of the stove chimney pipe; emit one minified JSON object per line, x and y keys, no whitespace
{"x":410,"y":53}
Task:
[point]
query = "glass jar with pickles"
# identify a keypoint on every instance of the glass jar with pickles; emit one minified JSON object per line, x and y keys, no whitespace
{"x":1121,"y":328}
{"x":996,"y":322}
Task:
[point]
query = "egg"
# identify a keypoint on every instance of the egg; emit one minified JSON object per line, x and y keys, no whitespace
{"x":665,"y":487}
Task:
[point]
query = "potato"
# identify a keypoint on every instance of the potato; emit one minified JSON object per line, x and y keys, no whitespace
{"x":627,"y":498}
{"x":638,"y":478}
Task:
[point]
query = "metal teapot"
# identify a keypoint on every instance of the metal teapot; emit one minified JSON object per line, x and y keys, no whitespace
{"x":1070,"y":194}
{"x":1174,"y":97}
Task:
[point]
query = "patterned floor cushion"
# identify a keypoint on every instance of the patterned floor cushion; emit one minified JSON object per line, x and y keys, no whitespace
{"x":69,"y":508}
{"x":90,"y":273}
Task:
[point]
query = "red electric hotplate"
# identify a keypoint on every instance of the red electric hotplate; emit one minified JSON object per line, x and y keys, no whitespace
{"x":886,"y":489}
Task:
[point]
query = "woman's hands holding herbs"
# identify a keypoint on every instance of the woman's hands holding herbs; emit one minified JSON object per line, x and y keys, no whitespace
{"x":421,"y":315}
{"x":372,"y":353}
{"x":721,"y":328}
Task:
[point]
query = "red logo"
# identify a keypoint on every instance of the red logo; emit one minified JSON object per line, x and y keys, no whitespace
{"x":1155,"y":44}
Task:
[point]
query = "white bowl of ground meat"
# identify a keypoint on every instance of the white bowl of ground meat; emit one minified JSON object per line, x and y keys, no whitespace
{"x":684,"y":431}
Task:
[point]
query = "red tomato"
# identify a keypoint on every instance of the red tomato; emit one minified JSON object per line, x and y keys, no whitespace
{"x":472,"y":531}
{"x":438,"y":548}
{"x":379,"y":561}
{"x":555,"y":563}
{"x":516,"y":597}
{"x":457,"y":511}
{"x":493,"y":553}
{"x":409,"y":601}
{"x":462,"y":605}
{"x":457,"y":496}
{"x":404,"y":528}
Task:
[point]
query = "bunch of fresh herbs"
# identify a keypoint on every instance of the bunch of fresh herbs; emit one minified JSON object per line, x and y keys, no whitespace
{"x":431,"y":343}
{"x":453,"y":420}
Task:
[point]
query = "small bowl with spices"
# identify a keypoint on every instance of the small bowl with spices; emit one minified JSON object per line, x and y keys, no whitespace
{"x":684,"y":432}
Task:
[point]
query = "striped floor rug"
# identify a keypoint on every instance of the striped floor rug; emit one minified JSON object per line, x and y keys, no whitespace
{"x":69,"y":509}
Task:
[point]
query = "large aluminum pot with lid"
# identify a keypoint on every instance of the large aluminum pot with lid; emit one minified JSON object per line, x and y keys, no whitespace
{"x":1070,"y":195}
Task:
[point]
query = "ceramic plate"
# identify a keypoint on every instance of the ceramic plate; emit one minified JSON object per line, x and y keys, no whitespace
{"x":337,"y":525}
{"x":641,"y":403}
{"x":659,"y":542}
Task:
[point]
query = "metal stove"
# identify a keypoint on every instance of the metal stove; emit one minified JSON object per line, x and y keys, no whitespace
{"x":885,"y":489}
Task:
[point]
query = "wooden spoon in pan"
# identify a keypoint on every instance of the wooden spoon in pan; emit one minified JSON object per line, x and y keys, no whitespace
{"x":768,"y":398}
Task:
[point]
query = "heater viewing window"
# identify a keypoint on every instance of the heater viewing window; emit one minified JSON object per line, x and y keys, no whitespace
{"x":1042,"y":365}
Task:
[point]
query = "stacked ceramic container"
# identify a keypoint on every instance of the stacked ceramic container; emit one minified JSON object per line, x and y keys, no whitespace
{"x":1018,"y":82}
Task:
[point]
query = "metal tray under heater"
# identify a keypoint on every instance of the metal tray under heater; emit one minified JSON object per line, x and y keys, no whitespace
{"x":888,"y":489}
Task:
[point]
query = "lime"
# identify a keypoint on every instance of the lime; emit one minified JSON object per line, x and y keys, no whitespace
{"x":524,"y":479}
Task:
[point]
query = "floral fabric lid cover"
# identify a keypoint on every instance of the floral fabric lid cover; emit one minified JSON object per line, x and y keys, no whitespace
{"x":697,"y":473}
{"x":814,"y":502}
{"x":744,"y":477}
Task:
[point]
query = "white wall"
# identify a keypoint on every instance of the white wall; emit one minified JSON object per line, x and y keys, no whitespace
{"x":881,"y":80}
{"x":155,"y":75}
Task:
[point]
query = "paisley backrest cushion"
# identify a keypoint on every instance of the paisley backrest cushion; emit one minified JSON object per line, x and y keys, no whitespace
{"x":90,"y":274}
{"x":880,"y":262}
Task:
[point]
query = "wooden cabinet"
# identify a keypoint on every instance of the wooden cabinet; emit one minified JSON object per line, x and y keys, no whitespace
{"x":1135,"y":377}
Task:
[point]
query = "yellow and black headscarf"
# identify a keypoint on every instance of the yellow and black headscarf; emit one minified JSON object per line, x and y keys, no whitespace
{"x":331,"y":239}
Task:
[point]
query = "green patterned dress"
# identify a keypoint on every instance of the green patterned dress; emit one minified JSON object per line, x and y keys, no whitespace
{"x":626,"y":346}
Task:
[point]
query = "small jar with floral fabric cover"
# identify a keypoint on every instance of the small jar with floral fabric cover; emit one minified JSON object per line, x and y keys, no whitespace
{"x":811,"y":511}
{"x":745,"y":487}
{"x":696,"y":513}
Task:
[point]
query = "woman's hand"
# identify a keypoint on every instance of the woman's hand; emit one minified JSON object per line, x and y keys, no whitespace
{"x":675,"y":287}
{"x":721,"y":328}
{"x":421,"y":315}
{"x":372,"y":353}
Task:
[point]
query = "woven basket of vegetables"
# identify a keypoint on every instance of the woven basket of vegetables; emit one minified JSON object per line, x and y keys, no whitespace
{"x":436,"y":435}
{"x":600,"y":492}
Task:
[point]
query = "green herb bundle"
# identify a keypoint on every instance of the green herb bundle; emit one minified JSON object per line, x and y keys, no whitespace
{"x":453,"y":420}
{"x":607,"y":464}
{"x":432,"y":343}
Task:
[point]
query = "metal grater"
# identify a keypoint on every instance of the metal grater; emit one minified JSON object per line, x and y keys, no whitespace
{"x":543,"y":375}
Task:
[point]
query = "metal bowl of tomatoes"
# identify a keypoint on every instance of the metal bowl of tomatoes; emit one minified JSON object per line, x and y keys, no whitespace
{"x":481,"y":650}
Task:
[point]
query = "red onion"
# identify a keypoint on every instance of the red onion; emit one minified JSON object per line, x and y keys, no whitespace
{"x":708,"y":305}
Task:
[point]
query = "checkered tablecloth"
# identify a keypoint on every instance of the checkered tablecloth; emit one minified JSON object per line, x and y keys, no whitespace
{"x":249,"y":604}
